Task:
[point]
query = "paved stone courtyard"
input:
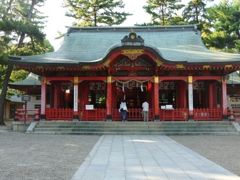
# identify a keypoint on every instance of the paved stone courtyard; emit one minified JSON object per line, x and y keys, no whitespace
{"x":50,"y":157}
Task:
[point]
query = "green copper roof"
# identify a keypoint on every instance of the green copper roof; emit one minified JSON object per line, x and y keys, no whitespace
{"x":173,"y":43}
{"x":30,"y":80}
{"x":234,"y":78}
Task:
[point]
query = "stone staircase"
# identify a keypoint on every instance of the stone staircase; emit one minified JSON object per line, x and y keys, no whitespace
{"x":131,"y":128}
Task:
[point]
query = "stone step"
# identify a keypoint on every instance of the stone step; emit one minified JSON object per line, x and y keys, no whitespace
{"x":138,"y":133}
{"x":176,"y":128}
{"x":150,"y":124}
{"x":138,"y":128}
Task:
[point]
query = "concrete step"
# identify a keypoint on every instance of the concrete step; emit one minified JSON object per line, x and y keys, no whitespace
{"x":138,"y":133}
{"x":168,"y":128}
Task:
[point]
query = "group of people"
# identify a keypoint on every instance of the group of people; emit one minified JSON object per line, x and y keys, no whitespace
{"x":124,"y":110}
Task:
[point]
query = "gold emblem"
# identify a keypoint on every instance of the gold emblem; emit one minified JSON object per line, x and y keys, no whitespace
{"x":132,"y":53}
{"x":206,"y":67}
{"x":180,"y":66}
{"x":109,"y":79}
{"x":190,"y":79}
{"x":75,"y":80}
{"x":228,"y":66}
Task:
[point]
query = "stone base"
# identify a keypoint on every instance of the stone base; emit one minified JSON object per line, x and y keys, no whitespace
{"x":20,"y":126}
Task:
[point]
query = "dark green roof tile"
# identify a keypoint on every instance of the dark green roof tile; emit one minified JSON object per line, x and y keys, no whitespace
{"x":88,"y":45}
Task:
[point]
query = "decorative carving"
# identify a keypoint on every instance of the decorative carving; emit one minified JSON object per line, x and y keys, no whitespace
{"x":180,"y":66}
{"x":228,"y":66}
{"x":156,"y":79}
{"x":132,"y":53}
{"x":107,"y":62}
{"x":97,"y":86}
{"x":167,"y":85}
{"x":85,"y":67}
{"x":109,"y":79}
{"x":190,"y":79}
{"x":206,"y":67}
{"x":123,"y":62}
{"x":75,"y":80}
{"x":132,"y":39}
{"x":142,"y":62}
{"x":44,"y":80}
{"x":159,"y":62}
{"x":39,"y":68}
{"x":60,"y":68}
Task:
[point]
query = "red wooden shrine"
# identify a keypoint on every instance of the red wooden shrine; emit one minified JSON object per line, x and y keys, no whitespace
{"x":175,"y":90}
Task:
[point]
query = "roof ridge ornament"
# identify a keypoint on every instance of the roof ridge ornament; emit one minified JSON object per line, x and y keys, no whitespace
{"x":132,"y":39}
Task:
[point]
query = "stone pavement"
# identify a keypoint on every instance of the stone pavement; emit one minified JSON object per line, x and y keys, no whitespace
{"x":148,"y":158}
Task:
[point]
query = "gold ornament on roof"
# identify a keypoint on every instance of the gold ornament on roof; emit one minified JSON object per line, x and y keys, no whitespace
{"x":132,"y":53}
{"x":180,"y":66}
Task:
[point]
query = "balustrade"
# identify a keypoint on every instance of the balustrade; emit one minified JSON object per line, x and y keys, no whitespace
{"x":206,"y":114}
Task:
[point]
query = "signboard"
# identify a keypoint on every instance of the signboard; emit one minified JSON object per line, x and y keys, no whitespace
{"x":169,"y":106}
{"x":163,"y":107}
{"x":89,"y":107}
{"x":26,"y":98}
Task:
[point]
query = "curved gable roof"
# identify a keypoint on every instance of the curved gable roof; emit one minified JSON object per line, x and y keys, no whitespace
{"x":89,"y":45}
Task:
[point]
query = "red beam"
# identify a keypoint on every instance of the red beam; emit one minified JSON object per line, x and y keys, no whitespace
{"x":217,"y":78}
{"x":59,"y":78}
{"x":133,"y":77}
{"x":173,"y":78}
{"x":92,"y":78}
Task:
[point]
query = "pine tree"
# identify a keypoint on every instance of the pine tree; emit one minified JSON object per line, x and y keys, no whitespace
{"x":19,"y":21}
{"x":96,"y":12}
{"x":162,"y":11}
{"x":224,"y":23}
{"x":195,"y":11}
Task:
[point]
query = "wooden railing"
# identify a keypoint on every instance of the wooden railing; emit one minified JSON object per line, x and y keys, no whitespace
{"x":59,"y":114}
{"x":206,"y":114}
{"x":134,"y":114}
{"x":98,"y":114}
{"x":173,"y":114}
{"x":27,"y":115}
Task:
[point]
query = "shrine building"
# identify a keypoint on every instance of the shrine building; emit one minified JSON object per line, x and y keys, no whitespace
{"x":97,"y":67}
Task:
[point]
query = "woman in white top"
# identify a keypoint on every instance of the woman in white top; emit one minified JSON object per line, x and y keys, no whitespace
{"x":145,"y":107}
{"x":123,"y":110}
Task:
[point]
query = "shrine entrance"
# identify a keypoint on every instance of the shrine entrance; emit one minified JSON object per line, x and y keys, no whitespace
{"x":134,"y":92}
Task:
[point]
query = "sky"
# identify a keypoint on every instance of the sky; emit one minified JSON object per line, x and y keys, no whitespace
{"x":58,"y":22}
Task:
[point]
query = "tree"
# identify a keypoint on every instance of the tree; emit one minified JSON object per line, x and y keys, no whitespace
{"x":21,"y":29}
{"x":224,"y":22}
{"x":96,"y":12}
{"x":195,"y":11}
{"x":162,"y":11}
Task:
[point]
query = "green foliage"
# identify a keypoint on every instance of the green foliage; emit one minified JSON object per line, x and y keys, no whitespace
{"x":163,"y":11}
{"x":20,"y":34}
{"x":195,"y":11}
{"x":223,"y":26}
{"x":96,"y":12}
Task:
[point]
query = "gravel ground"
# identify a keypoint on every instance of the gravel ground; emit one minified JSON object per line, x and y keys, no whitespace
{"x":42,"y":157}
{"x":223,"y":150}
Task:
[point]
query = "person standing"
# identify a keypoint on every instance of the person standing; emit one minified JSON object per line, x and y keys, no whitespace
{"x":145,"y":108}
{"x":123,"y":110}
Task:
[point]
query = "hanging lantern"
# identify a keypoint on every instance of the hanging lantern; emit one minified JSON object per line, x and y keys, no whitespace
{"x":149,"y":86}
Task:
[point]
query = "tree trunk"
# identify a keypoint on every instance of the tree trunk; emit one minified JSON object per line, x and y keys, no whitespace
{"x":10,"y":67}
{"x":4,"y":92}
